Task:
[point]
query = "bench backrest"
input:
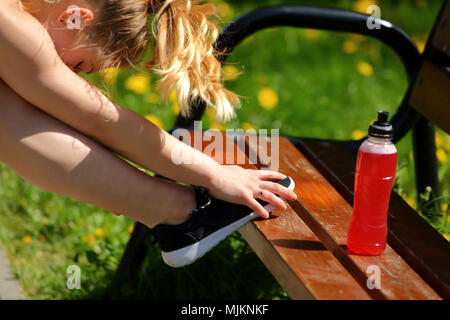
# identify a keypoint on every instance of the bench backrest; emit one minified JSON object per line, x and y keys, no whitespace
{"x":430,"y":92}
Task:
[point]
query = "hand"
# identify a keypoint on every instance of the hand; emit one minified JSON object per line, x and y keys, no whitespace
{"x":241,"y":186}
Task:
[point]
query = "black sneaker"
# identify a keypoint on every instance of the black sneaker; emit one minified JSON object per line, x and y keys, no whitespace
{"x":210,"y":223}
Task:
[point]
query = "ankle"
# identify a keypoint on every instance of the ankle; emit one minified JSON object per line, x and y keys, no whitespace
{"x":180,"y":209}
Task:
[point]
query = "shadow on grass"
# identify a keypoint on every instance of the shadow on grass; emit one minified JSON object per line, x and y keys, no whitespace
{"x":230,"y":271}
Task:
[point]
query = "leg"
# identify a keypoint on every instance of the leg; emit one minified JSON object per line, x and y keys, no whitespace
{"x":57,"y":158}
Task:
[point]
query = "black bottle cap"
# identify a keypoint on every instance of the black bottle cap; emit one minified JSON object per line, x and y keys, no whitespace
{"x":381,"y":128}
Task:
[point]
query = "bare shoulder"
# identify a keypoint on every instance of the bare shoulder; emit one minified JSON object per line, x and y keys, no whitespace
{"x":24,"y":42}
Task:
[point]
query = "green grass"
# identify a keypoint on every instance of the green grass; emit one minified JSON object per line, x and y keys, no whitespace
{"x":321,"y":94}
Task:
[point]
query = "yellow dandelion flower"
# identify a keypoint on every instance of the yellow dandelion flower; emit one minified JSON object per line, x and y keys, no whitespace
{"x":420,"y":45}
{"x":27,"y":239}
{"x":139,"y":83}
{"x":246,"y":126}
{"x":312,"y":34}
{"x":153,"y":98}
{"x":444,"y":207}
{"x":110,"y":75}
{"x":349,"y":46}
{"x":358,"y":134}
{"x":441,"y":156}
{"x":217,"y":126}
{"x":365,"y":69}
{"x":267,"y":98}
{"x":230,"y":72}
{"x":412,"y":202}
{"x":89,"y":239}
{"x":100,"y":232}
{"x":447,"y":236}
{"x":130,"y":228}
{"x":362,"y":5}
{"x":438,"y":139}
{"x":420,"y":42}
{"x":176,"y":108}
{"x":173,"y":96}
{"x":154,"y":119}
{"x":447,"y":145}
{"x":210,"y":113}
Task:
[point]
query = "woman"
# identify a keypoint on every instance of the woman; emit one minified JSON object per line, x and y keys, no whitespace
{"x":60,"y":133}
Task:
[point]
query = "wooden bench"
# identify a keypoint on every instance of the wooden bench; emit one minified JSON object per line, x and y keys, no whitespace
{"x":304,"y":247}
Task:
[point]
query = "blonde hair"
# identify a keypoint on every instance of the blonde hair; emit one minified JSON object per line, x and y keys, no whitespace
{"x":184,"y":56}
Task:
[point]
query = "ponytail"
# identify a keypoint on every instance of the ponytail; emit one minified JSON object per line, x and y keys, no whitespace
{"x":185,"y":58}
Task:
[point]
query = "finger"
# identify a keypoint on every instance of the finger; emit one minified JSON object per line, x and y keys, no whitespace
{"x":269,"y":197}
{"x":257,"y":207}
{"x":280,"y":190}
{"x":271,"y":175}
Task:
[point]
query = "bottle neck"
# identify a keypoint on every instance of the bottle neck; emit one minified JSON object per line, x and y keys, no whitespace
{"x":379,"y":140}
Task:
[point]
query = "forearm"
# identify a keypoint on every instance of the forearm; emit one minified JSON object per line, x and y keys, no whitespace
{"x":140,"y":141}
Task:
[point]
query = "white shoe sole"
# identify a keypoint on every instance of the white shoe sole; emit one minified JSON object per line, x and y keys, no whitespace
{"x":187,"y":255}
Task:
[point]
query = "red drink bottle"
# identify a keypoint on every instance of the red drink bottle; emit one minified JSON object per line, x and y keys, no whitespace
{"x":374,"y":176}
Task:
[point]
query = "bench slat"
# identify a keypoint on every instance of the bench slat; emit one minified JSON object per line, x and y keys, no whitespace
{"x":431,"y":96}
{"x":328,"y":215}
{"x":441,"y":37}
{"x":298,"y":260}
